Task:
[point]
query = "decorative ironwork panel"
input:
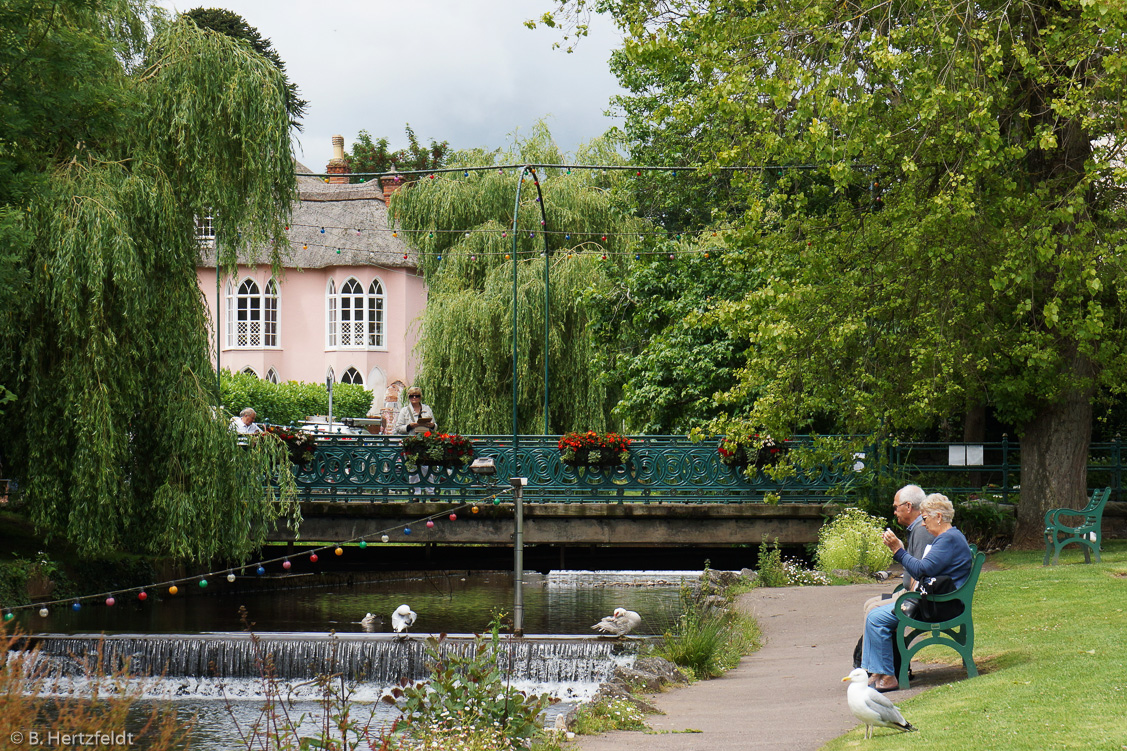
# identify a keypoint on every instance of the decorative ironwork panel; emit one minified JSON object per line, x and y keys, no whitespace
{"x":660,"y":469}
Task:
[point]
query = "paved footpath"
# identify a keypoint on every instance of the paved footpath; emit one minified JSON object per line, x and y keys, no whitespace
{"x":788,"y":696}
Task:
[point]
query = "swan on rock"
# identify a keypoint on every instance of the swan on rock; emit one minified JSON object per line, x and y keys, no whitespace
{"x":621,"y":623}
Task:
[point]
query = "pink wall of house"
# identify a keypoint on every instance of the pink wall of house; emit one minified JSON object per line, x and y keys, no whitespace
{"x":303,"y":353}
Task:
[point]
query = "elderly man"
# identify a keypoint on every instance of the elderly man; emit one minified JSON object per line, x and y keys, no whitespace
{"x":244,"y":422}
{"x":906,"y":508}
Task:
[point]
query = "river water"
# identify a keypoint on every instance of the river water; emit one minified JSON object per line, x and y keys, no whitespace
{"x":201,"y":646}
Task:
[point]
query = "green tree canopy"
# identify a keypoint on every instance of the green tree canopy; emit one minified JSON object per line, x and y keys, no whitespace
{"x":992,"y":135}
{"x":236,"y":27}
{"x":107,"y":163}
{"x":461,"y":225}
{"x":373,"y":156}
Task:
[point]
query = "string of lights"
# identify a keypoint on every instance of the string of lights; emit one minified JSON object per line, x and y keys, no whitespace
{"x":578,"y":250}
{"x":172,"y":586}
{"x":638,"y":170}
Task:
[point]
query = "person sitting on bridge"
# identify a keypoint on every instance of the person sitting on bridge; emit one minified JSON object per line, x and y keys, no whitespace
{"x":244,"y":422}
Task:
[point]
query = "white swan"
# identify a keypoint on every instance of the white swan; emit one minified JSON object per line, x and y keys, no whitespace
{"x":621,"y":623}
{"x":402,"y":619}
{"x":870,"y":706}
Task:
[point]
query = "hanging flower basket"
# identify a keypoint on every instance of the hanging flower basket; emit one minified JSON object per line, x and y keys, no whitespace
{"x":436,"y":450}
{"x":592,"y":449}
{"x":736,"y":451}
{"x":300,"y":445}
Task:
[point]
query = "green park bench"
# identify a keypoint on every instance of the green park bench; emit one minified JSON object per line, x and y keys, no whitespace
{"x":957,"y":633}
{"x":1088,"y":534}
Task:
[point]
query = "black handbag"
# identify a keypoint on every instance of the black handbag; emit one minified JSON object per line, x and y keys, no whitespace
{"x":929,"y":611}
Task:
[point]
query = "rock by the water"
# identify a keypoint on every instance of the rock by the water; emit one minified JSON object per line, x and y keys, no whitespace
{"x":722,"y":578}
{"x":662,"y":668}
{"x":616,"y":690}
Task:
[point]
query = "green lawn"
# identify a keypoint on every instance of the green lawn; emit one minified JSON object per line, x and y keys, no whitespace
{"x":1051,"y":649}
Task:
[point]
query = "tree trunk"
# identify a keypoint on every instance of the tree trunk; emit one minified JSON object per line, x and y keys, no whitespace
{"x":1054,"y":465}
{"x":974,"y":431}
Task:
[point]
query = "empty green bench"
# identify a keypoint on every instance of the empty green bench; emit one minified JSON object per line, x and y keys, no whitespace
{"x":1088,"y":534}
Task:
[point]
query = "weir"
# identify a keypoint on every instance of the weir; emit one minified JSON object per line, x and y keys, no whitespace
{"x":380,"y":659}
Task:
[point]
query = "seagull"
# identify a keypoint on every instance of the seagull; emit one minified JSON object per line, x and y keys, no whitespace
{"x":620,"y":624}
{"x":871,"y":707}
{"x":402,"y":619}
{"x":370,"y":621}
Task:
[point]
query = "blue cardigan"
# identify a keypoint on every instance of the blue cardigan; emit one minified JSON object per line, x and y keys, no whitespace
{"x":949,"y":556}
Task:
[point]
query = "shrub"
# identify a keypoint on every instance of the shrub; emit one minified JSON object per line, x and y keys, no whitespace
{"x":704,"y":638}
{"x":771,"y":572}
{"x":852,"y":541}
{"x":109,"y":704}
{"x":291,"y":402}
{"x":469,"y":693}
{"x":984,"y":523}
{"x":608,"y":714}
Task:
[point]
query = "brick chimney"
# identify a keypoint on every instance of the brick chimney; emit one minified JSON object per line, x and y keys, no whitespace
{"x":390,"y":184}
{"x":337,"y":167}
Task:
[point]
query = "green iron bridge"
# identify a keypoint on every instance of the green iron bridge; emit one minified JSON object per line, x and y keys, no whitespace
{"x":673,"y":492}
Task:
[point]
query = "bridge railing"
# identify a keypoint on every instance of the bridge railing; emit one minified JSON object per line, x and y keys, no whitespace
{"x":663,"y":469}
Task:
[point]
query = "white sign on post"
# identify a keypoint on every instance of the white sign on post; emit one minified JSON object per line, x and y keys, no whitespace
{"x":964,"y":455}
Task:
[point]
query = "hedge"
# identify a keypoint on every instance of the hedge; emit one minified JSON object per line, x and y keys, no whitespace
{"x":290,"y":403}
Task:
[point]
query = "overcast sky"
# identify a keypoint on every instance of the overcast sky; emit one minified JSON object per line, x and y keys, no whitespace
{"x":465,"y":72}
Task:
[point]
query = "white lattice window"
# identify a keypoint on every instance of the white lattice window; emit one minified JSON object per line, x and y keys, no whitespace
{"x":352,"y":375}
{"x":375,"y":314}
{"x":351,"y":314}
{"x":205,"y":231}
{"x":272,"y":376}
{"x":248,"y":370}
{"x":332,"y":314}
{"x":356,"y":316}
{"x":252,"y":315}
{"x":270,"y":314}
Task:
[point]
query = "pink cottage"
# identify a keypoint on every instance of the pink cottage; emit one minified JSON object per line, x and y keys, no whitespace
{"x":346,"y":304}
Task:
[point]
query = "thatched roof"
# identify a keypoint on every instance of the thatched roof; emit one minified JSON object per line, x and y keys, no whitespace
{"x":340,"y":210}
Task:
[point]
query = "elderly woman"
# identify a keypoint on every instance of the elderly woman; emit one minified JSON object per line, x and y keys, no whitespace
{"x":948,"y":555}
{"x":415,"y":415}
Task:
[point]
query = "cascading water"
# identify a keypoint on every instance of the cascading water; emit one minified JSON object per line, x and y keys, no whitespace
{"x":361,"y":658}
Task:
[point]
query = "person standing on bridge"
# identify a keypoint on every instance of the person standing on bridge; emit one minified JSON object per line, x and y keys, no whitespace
{"x":416,"y":417}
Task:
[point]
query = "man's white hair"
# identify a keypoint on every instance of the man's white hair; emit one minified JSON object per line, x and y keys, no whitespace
{"x":913,"y":495}
{"x":248,"y":411}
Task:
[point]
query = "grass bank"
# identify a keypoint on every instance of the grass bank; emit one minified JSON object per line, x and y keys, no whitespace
{"x":1050,"y":644}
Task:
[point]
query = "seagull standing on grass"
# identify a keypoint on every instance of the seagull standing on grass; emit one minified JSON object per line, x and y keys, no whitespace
{"x":620,"y":624}
{"x":402,"y":619}
{"x":871,"y":707}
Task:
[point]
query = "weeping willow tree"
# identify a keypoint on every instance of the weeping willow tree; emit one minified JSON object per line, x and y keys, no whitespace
{"x":462,"y":225}
{"x":113,"y":434}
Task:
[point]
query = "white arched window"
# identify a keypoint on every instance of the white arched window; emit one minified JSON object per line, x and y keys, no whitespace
{"x":356,"y":316}
{"x":331,"y":317}
{"x":272,"y":376}
{"x":375,"y":314}
{"x":248,"y":370}
{"x":352,"y":375}
{"x":252,"y":316}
